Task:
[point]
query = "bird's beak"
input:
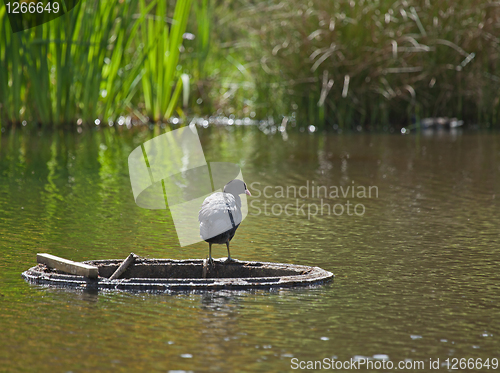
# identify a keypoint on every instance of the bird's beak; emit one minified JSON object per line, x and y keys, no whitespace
{"x":247,"y":192}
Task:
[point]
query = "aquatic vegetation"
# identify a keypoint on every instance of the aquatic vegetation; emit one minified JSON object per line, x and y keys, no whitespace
{"x":161,"y":43}
{"x":357,"y":62}
{"x":89,"y":63}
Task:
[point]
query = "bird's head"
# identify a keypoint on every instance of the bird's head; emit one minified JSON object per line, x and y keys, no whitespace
{"x":236,"y":187}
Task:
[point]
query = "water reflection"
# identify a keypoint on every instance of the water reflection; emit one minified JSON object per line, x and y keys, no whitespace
{"x":416,"y":275}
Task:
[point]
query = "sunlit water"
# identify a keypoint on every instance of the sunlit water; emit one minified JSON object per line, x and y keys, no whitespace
{"x":417,"y":275}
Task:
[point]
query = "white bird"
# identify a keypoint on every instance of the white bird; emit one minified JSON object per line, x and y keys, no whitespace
{"x":220,"y":215}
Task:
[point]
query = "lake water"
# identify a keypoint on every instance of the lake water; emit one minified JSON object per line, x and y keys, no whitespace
{"x":416,"y":264}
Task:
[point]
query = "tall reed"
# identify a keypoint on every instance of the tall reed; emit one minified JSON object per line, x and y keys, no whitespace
{"x":217,"y":59}
{"x":162,"y":41}
{"x":88,"y":64}
{"x":351,"y":62}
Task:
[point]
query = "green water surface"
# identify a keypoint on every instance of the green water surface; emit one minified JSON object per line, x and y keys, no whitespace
{"x":417,"y":274}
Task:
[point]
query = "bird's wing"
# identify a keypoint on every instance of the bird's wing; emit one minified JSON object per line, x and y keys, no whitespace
{"x":214,"y":217}
{"x":235,"y":208}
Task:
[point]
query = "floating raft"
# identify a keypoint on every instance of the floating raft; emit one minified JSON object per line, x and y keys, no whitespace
{"x":162,"y":275}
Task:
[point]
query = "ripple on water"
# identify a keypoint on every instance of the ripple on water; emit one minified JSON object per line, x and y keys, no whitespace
{"x":416,"y":275}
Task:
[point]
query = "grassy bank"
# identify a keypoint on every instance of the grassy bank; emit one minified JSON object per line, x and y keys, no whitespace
{"x":368,"y":63}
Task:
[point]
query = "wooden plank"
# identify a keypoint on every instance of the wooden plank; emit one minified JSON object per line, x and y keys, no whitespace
{"x":123,"y":267}
{"x":67,"y":266}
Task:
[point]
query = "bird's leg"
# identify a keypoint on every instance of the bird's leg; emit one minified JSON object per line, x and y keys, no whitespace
{"x":228,"y":253}
{"x":210,"y":260}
